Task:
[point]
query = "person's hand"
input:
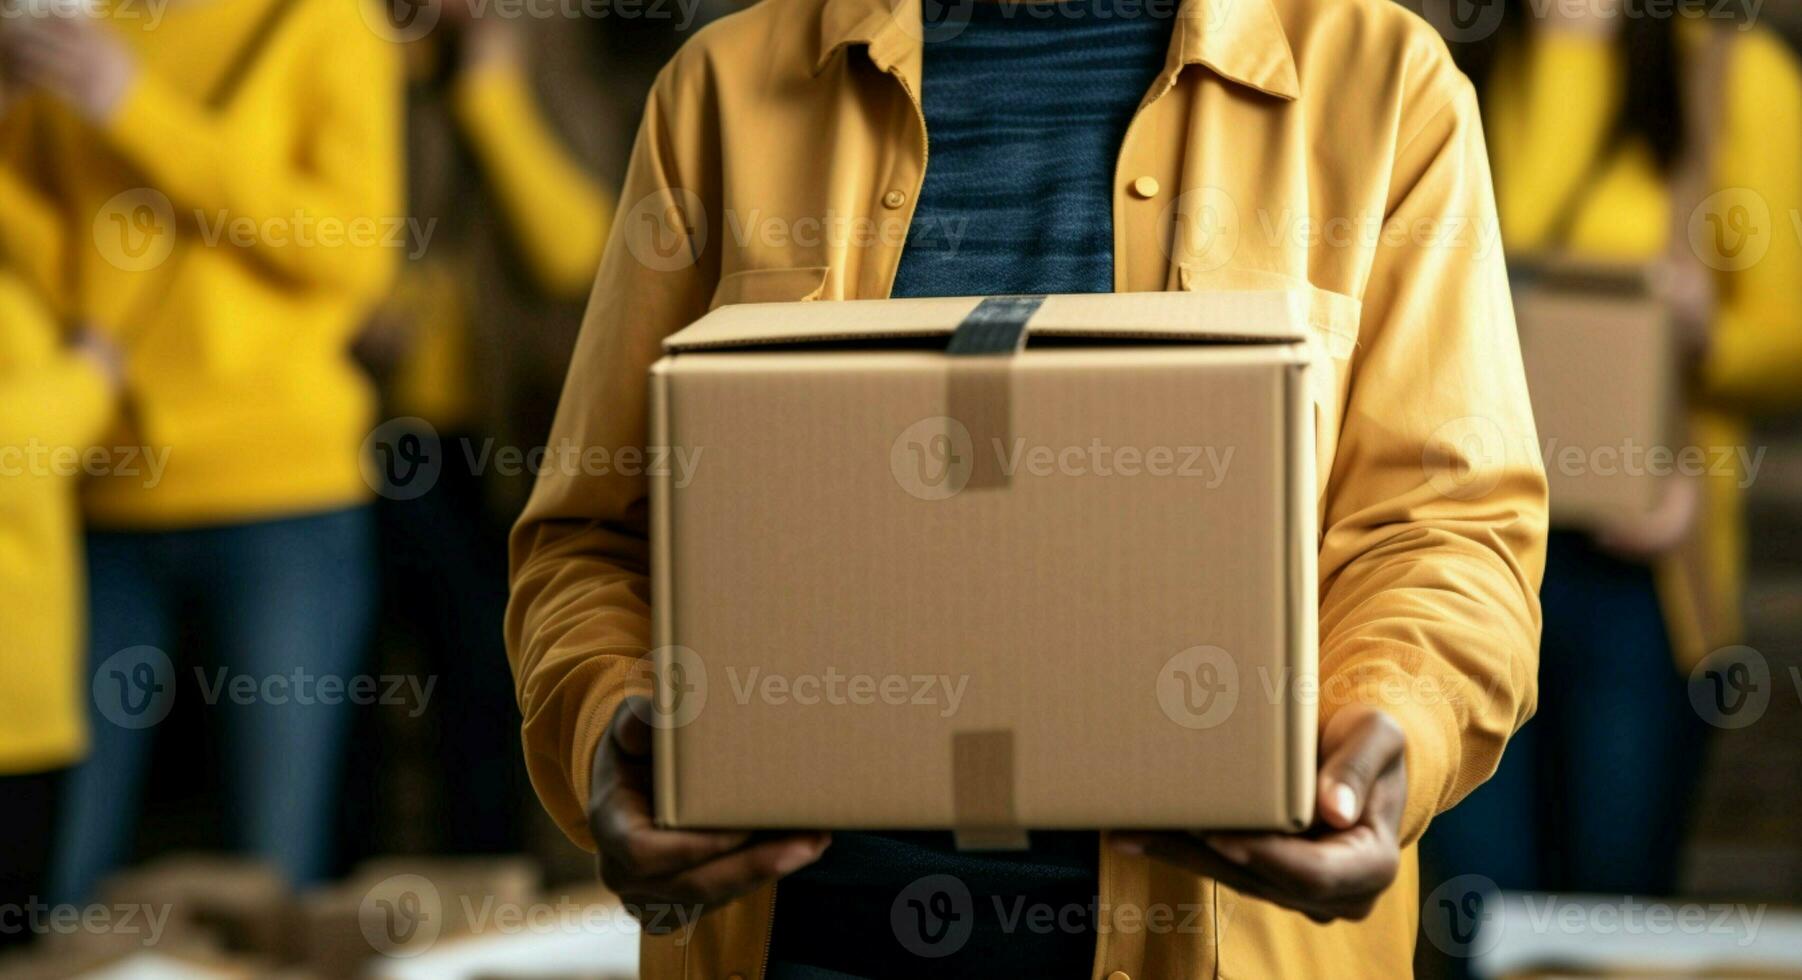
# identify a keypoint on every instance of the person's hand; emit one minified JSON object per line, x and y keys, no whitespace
{"x":73,"y":58}
{"x":490,"y":42}
{"x":1689,"y":290}
{"x":668,"y":877}
{"x":99,"y":350}
{"x":1648,"y":536}
{"x":1341,"y":866}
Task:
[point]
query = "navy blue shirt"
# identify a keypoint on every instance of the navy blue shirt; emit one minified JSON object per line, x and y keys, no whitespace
{"x":1026,"y":107}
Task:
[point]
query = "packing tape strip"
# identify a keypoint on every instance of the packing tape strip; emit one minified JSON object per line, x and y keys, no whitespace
{"x":979,"y":390}
{"x":982,"y":791}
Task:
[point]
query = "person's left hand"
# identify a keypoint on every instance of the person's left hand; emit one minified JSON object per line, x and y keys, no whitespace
{"x":73,"y":58}
{"x":1646,"y":537}
{"x":1337,"y":869}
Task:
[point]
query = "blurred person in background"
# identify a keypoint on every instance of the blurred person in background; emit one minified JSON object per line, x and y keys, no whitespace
{"x":214,"y":191}
{"x":506,"y":121}
{"x":1589,"y":132}
{"x":56,"y":398}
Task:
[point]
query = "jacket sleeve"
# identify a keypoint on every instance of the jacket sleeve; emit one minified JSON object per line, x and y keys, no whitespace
{"x":578,"y":624}
{"x":324,"y":211}
{"x":32,"y":240}
{"x":558,"y":213}
{"x":1755,"y":357}
{"x":63,"y":402}
{"x":1434,"y":525}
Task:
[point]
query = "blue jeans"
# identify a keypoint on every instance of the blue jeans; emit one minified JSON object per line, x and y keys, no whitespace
{"x":277,"y":605}
{"x":1593,"y":794}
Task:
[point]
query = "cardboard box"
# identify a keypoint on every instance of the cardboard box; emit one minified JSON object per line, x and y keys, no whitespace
{"x":1601,"y":360}
{"x":404,"y":906}
{"x":908,"y":575}
{"x":243,"y":903}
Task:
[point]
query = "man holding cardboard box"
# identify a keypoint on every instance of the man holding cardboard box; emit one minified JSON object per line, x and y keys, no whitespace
{"x":1309,"y":178}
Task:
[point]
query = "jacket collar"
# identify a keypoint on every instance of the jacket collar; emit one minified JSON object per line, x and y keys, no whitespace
{"x":1240,"y":40}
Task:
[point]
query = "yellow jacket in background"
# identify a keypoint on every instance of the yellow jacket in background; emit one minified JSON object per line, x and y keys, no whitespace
{"x":1550,"y":107}
{"x":1327,"y":146}
{"x":555,"y":213}
{"x":232,"y":252}
{"x":53,"y":405}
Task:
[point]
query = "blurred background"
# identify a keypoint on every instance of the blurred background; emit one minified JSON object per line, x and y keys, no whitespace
{"x":287,"y":289}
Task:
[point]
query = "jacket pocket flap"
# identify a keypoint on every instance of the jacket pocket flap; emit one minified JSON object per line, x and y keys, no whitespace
{"x":770,"y":286}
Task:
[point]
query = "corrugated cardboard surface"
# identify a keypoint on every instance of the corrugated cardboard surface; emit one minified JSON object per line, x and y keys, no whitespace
{"x":1601,"y":372}
{"x":864,"y":645}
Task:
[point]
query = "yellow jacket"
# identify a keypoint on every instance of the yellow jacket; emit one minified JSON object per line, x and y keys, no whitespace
{"x":1321,"y":145}
{"x":555,"y":213}
{"x":232,"y":251}
{"x":52,"y":406}
{"x":1549,"y":109}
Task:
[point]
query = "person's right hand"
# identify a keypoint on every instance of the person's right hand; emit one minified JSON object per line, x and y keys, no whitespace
{"x":667,"y":878}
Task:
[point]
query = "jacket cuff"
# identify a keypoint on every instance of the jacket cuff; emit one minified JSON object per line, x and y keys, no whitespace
{"x":1422,"y":706}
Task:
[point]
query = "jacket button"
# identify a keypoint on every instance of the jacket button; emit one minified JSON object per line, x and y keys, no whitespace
{"x":1121,"y":974}
{"x":1143,"y":187}
{"x":894,"y":199}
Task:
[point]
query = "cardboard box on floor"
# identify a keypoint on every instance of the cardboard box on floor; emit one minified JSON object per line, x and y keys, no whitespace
{"x":1601,"y":360}
{"x":911,"y":574}
{"x":240,"y":902}
{"x":405,"y":905}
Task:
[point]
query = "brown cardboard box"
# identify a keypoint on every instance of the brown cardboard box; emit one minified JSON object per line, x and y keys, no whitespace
{"x":242,"y":902}
{"x":1601,"y":365}
{"x":1066,"y":587}
{"x":403,"y":906}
